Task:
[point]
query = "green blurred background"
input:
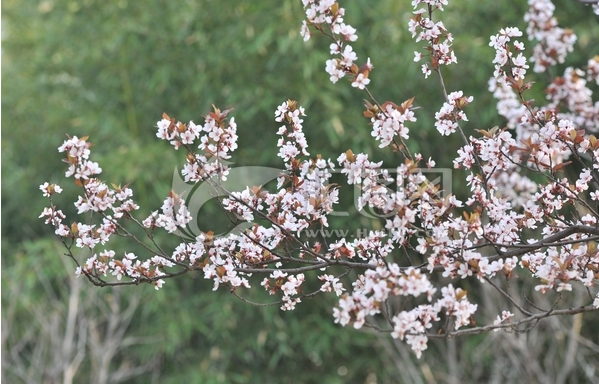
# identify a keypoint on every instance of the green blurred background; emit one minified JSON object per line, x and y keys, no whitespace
{"x":109,"y":69}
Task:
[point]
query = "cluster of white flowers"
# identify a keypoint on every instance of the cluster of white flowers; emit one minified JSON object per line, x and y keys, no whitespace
{"x":331,"y":284}
{"x":113,"y":204}
{"x":504,"y":56}
{"x":78,"y":159}
{"x":389,"y":122}
{"x":572,"y":92}
{"x":554,"y":41}
{"x":439,"y":40}
{"x":528,"y":225}
{"x":288,"y":284}
{"x":357,"y":167}
{"x":174,"y":215}
{"x":374,"y":287}
{"x":326,"y":12}
{"x":321,"y":13}
{"x":293,"y":141}
{"x":177,"y":133}
{"x":508,"y":104}
{"x":446,"y":120}
{"x":219,"y":140}
{"x":505,"y":316}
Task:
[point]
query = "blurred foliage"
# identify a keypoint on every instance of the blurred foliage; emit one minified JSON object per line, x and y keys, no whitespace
{"x":108,"y":69}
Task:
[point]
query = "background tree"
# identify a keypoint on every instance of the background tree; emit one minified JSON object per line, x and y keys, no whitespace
{"x":141,"y":62}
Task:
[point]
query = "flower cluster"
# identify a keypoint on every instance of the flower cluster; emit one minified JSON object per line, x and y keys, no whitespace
{"x":412,"y":325}
{"x":220,"y":266}
{"x":508,"y":104}
{"x":559,"y":267}
{"x":289,"y":285}
{"x":544,"y":151}
{"x":331,"y":284}
{"x":571,"y":91}
{"x":290,"y":114}
{"x":358,"y":167}
{"x":219,"y":140}
{"x":451,"y":112}
{"x":388,"y":121}
{"x":505,"y":57}
{"x":505,"y":316}
{"x":328,"y":12}
{"x":554,"y":42}
{"x":177,"y":133}
{"x":174,"y":214}
{"x":376,"y":286}
{"x":77,"y":151}
{"x":52,"y":215}
{"x":531,"y":206}
{"x":105,"y":262}
{"x":113,"y":204}
{"x":439,"y":40}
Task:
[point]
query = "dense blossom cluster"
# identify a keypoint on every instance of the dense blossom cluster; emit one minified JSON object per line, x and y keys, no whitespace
{"x":326,"y":12}
{"x":504,"y":56}
{"x":219,"y":140}
{"x":423,"y":28}
{"x":388,"y":121}
{"x":451,"y":112}
{"x":113,"y":204}
{"x":531,"y":207}
{"x":375,"y":287}
{"x":174,"y":215}
{"x":571,"y":92}
{"x":554,"y":42}
{"x":508,"y":103}
{"x":327,"y":17}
